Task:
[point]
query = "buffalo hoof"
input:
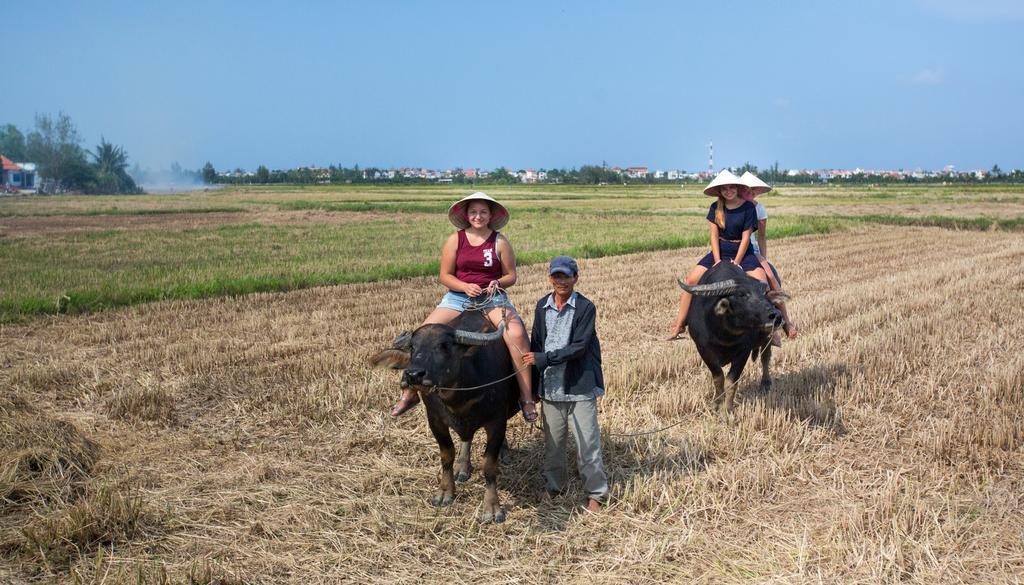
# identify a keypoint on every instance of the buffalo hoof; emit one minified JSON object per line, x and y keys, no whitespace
{"x":497,"y":515}
{"x":462,"y":476}
{"x":766,"y":385}
{"x":442,"y":500}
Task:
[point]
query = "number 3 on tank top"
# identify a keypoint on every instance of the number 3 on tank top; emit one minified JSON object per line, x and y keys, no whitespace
{"x":488,"y":257}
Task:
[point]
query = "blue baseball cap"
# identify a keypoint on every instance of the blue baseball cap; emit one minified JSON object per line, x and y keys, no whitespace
{"x":563,"y":264}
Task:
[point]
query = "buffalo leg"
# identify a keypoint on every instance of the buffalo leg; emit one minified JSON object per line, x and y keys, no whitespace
{"x":463,"y":468}
{"x":492,"y":507}
{"x":446,"y":492}
{"x":719,"y":380}
{"x":766,"y":376}
{"x":735,"y":370}
{"x":505,"y":456}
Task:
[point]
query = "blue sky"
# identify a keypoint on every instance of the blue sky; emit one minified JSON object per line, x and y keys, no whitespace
{"x":810,"y":84}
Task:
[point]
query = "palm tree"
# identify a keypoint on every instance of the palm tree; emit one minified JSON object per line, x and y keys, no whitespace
{"x":112,"y":167}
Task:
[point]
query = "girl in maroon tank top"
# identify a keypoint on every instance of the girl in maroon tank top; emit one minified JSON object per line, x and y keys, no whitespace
{"x":475,"y":261}
{"x":477,"y":264}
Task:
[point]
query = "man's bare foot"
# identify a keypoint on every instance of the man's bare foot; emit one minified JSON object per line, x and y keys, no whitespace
{"x":593,"y":506}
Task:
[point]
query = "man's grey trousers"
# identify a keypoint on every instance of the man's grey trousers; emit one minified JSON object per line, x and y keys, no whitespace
{"x":581,"y":417}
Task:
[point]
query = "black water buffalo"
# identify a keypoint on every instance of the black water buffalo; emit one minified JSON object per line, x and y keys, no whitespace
{"x":466,"y":353}
{"x":731,"y":320}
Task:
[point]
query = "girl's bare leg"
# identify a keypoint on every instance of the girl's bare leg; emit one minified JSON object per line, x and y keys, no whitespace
{"x":679,"y":325}
{"x":787,"y":324}
{"x":410,"y":397}
{"x":441,"y":316}
{"x":518,"y":345}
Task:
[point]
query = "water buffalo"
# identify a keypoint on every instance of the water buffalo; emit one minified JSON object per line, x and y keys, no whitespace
{"x":439,"y":360}
{"x":731,"y":320}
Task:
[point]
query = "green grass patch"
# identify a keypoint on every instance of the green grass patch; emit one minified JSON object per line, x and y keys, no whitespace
{"x":400,"y":235}
{"x":94,"y":271}
{"x":958,"y":223}
{"x":363,"y":206}
{"x":120,"y":211}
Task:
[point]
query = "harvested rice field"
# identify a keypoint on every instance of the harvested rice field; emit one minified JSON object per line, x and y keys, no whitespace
{"x":244,"y":439}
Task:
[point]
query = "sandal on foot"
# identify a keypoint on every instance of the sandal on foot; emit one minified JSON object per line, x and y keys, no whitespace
{"x":531,"y":415}
{"x":680,"y":334}
{"x":404,"y":404}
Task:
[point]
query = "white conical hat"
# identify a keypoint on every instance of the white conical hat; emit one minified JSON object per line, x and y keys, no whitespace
{"x":724,"y":178}
{"x":457,"y":212}
{"x":756,"y":185}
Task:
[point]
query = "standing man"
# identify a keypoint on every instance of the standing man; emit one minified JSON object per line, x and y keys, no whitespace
{"x":567,"y":358}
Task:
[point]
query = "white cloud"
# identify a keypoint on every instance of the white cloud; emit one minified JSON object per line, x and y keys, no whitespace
{"x":928,"y":77}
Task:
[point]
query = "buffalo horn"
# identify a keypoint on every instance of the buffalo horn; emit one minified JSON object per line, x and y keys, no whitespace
{"x":477,"y":338}
{"x":709,"y":290}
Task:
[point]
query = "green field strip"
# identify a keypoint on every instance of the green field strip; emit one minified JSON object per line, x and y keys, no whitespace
{"x":123,"y":212}
{"x":948,"y":222}
{"x":78,"y":301}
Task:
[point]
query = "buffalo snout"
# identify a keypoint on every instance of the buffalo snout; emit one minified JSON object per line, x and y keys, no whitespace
{"x":413,"y":376}
{"x":772,"y":320}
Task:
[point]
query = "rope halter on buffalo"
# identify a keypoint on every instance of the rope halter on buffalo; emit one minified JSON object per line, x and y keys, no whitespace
{"x":473,"y":338}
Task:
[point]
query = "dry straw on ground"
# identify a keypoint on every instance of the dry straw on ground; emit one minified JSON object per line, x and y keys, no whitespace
{"x":244,"y":441}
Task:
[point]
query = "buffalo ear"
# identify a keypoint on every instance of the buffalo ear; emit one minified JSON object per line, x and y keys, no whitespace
{"x":723,"y":307}
{"x":777,"y":297}
{"x":395,"y":359}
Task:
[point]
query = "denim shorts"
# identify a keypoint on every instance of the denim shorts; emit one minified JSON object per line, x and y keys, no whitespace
{"x":457,"y":301}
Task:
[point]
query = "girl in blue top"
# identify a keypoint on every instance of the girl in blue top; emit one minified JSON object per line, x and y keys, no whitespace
{"x":732,"y":222}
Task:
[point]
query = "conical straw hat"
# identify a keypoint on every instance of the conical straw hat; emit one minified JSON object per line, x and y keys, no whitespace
{"x":457,"y":212}
{"x":756,"y":185}
{"x":724,"y":178}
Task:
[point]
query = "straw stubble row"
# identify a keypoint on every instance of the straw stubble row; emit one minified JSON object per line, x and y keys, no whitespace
{"x":888,"y":449}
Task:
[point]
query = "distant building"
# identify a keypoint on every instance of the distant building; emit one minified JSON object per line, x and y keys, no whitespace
{"x":636,"y":172}
{"x":528,"y":176}
{"x":18,"y":177}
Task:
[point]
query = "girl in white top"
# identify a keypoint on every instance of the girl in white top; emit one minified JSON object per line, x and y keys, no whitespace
{"x":755,"y":187}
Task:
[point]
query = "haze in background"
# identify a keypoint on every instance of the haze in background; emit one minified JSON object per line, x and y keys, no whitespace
{"x":873,"y":84}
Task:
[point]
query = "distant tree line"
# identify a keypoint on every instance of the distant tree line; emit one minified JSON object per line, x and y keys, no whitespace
{"x":584,"y":175}
{"x":55,"y":146}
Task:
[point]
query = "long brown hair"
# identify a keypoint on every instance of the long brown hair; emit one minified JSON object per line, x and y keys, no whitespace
{"x":720,"y":211}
